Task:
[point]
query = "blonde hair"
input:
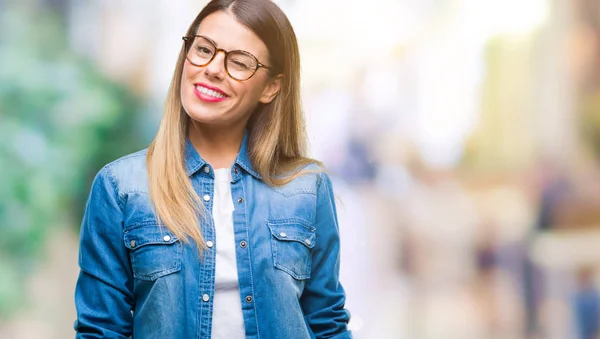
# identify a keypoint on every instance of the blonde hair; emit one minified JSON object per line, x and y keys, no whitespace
{"x":277,"y":136}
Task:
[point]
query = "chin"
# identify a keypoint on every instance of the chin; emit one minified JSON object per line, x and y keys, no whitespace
{"x":204,"y":118}
{"x":200,"y":112}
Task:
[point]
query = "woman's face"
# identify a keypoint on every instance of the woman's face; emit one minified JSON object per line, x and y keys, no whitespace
{"x":208,"y":94}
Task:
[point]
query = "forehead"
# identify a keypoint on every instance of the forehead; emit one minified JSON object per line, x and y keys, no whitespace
{"x":229,"y":34}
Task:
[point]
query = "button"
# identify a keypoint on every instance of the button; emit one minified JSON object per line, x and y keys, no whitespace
{"x":166,"y":238}
{"x":243,"y":244}
{"x":307,"y":241}
{"x":206,"y":197}
{"x":206,"y":169}
{"x":283,"y":235}
{"x":209,"y":244}
{"x":132,"y":243}
{"x":205,"y":297}
{"x":249,"y":299}
{"x":235,"y":170}
{"x":240,"y":200}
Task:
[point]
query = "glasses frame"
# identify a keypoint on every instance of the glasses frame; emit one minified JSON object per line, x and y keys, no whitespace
{"x":187,"y":45}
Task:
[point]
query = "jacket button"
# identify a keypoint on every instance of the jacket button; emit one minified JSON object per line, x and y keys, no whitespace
{"x":132,"y":243}
{"x":166,"y":238}
{"x":206,"y":197}
{"x":243,"y":244}
{"x":283,"y":235}
{"x":249,"y":299}
{"x":206,"y":169}
{"x":205,"y":298}
{"x":307,"y":241}
{"x":240,"y":200}
{"x":235,"y":170}
{"x":209,"y":244}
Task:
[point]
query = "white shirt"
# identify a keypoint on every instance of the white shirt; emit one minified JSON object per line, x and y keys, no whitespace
{"x":227,"y":320}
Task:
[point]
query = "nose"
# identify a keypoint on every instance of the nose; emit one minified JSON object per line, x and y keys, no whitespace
{"x":216,"y":68}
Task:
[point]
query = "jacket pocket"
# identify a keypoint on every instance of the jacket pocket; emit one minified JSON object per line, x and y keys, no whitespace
{"x":154,"y":251}
{"x":292,"y":241}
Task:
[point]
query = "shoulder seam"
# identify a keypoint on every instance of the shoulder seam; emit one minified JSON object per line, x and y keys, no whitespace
{"x":113,"y":180}
{"x":114,"y":184}
{"x":132,"y":155}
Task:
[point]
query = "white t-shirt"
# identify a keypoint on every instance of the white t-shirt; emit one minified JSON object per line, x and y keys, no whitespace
{"x":227,"y":320}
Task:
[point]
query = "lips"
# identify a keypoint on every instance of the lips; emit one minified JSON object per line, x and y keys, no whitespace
{"x":211,"y":89}
{"x":209,"y":93}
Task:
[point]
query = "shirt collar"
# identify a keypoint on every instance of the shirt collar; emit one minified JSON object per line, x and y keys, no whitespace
{"x":194,"y":162}
{"x":243,"y":158}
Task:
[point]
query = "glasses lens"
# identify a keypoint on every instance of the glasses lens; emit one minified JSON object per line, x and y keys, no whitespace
{"x":240,"y":66}
{"x":201,"y":51}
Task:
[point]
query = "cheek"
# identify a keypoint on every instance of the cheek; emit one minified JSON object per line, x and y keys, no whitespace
{"x":188,"y":71}
{"x":186,"y":92}
{"x":252,"y":90}
{"x":185,"y":76}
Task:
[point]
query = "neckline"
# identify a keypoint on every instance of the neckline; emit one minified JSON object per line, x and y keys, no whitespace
{"x":222,"y":174}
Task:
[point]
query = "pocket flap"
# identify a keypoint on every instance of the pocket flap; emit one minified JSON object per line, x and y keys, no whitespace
{"x":148,"y":235}
{"x":293,"y":230}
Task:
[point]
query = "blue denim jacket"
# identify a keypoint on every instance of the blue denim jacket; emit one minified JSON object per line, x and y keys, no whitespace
{"x":138,"y":279}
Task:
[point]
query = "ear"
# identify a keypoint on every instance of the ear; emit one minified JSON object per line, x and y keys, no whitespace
{"x":271,"y":90}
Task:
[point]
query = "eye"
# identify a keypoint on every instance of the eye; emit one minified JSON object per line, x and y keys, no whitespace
{"x":201,"y":49}
{"x":240,"y":64}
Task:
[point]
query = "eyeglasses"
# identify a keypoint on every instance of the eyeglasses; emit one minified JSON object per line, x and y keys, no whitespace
{"x":239,"y":65}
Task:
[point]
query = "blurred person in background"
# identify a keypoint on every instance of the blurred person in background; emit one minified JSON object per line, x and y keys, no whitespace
{"x":586,"y":305}
{"x":222,"y":228}
{"x":553,"y":189}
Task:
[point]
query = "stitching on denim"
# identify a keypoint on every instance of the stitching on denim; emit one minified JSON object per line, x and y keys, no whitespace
{"x":300,"y":241}
{"x":250,"y":260}
{"x":195,"y":169}
{"x":295,"y":220}
{"x":129,"y":156}
{"x":134,"y":191}
{"x":207,"y":269}
{"x":295,"y":192}
{"x":276,"y":242}
{"x":114,"y":181}
{"x":309,"y":173}
{"x":143,"y":224}
{"x":175,"y":266}
{"x":115,"y":186}
{"x":290,"y":272}
{"x":320,"y":178}
{"x":249,"y":170}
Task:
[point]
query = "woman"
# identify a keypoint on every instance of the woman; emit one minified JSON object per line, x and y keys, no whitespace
{"x":222,"y":228}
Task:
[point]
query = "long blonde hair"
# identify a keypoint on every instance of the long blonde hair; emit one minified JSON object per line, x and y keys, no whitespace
{"x":277,"y":136}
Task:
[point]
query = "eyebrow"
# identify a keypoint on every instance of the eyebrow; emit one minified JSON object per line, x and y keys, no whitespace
{"x":209,"y":39}
{"x":217,"y":45}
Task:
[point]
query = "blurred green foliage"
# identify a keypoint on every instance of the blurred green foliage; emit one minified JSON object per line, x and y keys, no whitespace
{"x":60,"y":121}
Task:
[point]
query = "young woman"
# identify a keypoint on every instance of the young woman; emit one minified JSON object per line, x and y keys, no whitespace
{"x":222,"y":228}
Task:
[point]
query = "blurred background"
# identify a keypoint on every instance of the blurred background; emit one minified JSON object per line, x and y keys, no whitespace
{"x":464,"y":136}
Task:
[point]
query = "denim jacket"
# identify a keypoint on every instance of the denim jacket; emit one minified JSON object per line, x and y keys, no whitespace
{"x":138,"y":279}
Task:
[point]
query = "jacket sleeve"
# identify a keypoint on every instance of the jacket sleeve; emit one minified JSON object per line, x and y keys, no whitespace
{"x":103,"y":293}
{"x":323,"y":298}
